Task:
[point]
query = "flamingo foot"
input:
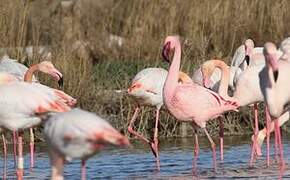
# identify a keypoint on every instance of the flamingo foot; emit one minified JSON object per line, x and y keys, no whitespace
{"x":257,"y":148}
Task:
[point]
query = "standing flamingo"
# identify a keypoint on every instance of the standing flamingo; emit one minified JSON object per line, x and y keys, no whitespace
{"x":274,"y":78}
{"x":77,"y":134}
{"x":189,"y":101}
{"x":146,"y":89}
{"x":247,"y":91}
{"x":22,"y":106}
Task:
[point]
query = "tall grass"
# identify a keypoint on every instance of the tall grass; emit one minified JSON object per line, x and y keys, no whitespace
{"x":209,"y":29}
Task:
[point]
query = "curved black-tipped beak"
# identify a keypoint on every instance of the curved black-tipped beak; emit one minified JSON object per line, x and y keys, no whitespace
{"x":165,"y":52}
{"x":247,"y":58}
{"x":60,"y":81}
{"x":276,"y":74}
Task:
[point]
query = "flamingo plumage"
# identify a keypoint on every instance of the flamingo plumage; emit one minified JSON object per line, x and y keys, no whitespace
{"x":77,"y":134}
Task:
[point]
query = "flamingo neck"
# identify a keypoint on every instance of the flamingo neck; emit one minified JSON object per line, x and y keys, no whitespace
{"x":172,"y":77}
{"x":224,"y":83}
{"x":29,"y":73}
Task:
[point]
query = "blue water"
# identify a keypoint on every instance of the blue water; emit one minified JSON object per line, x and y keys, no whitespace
{"x":176,"y":157}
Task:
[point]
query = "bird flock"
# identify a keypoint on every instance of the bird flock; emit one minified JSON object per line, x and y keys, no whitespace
{"x":256,"y":74}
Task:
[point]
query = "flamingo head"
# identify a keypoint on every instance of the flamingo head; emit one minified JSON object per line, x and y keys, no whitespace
{"x":169,"y":45}
{"x":207,"y":70}
{"x":249,"y":46}
{"x":270,"y":51}
{"x":48,"y":67}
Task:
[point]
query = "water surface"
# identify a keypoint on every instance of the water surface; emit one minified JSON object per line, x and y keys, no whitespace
{"x":176,"y":158}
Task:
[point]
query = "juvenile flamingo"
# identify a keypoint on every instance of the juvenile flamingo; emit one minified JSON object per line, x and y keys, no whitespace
{"x":22,"y":106}
{"x":77,"y":134}
{"x":189,"y":101}
{"x":146,"y":89}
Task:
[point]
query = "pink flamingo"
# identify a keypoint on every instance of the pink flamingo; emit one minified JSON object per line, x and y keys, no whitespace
{"x":189,"y":101}
{"x":274,"y":78}
{"x":146,"y":89}
{"x":23,"y":105}
{"x":77,"y":134}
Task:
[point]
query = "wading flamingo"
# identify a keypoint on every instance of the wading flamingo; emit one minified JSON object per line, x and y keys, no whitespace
{"x":146,"y":89}
{"x":23,"y":105}
{"x":274,"y":78}
{"x":189,"y":101}
{"x":77,"y":134}
{"x":247,"y":91}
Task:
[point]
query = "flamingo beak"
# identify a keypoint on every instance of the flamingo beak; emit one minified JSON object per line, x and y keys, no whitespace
{"x":247,"y":59}
{"x":165,"y":52}
{"x":60,"y":81}
{"x":205,"y":82}
{"x":275,"y":74}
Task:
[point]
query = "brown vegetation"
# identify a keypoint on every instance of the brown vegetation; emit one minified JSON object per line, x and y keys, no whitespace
{"x":78,"y":36}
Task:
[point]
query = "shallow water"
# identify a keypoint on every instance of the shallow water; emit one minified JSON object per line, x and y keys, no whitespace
{"x":176,"y":159}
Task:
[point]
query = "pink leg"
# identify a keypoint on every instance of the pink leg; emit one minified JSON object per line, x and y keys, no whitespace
{"x":213,"y":148}
{"x":83,"y":169}
{"x":196,"y":149}
{"x":5,"y":155}
{"x":256,"y":131}
{"x":221,"y":140}
{"x":31,"y":148}
{"x":4,"y":146}
{"x":139,"y":136}
{"x":14,"y":147}
{"x":277,"y":128}
{"x":154,"y":145}
{"x":20,"y":157}
{"x":268,"y":123}
{"x":276,"y":145}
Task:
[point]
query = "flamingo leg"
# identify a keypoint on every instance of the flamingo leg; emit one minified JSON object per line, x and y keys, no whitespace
{"x":212,"y":146}
{"x":83,"y":170}
{"x":277,"y":128}
{"x":276,"y":144}
{"x":155,"y":144}
{"x":256,"y":131}
{"x":4,"y":146}
{"x":31,"y":148}
{"x":5,"y":155}
{"x":20,"y":157}
{"x":196,"y":149}
{"x":14,"y":147}
{"x":221,"y":139}
{"x":139,"y":136}
{"x":268,"y":124}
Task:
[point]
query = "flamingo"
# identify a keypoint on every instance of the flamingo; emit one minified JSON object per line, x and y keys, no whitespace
{"x":77,"y":134}
{"x":189,"y":101}
{"x":247,"y":92}
{"x":23,"y":105}
{"x":274,"y":78}
{"x":146,"y":89}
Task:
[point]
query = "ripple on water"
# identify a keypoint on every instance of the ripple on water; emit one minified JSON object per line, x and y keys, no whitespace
{"x":176,"y":162}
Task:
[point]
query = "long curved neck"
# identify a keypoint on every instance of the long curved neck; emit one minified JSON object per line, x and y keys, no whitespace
{"x":224,"y":83}
{"x":29,"y":73}
{"x":172,"y":77}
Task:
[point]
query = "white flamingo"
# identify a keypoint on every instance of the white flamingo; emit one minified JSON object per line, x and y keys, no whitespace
{"x":77,"y":134}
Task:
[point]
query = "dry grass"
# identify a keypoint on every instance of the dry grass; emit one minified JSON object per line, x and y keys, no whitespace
{"x":209,"y":29}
